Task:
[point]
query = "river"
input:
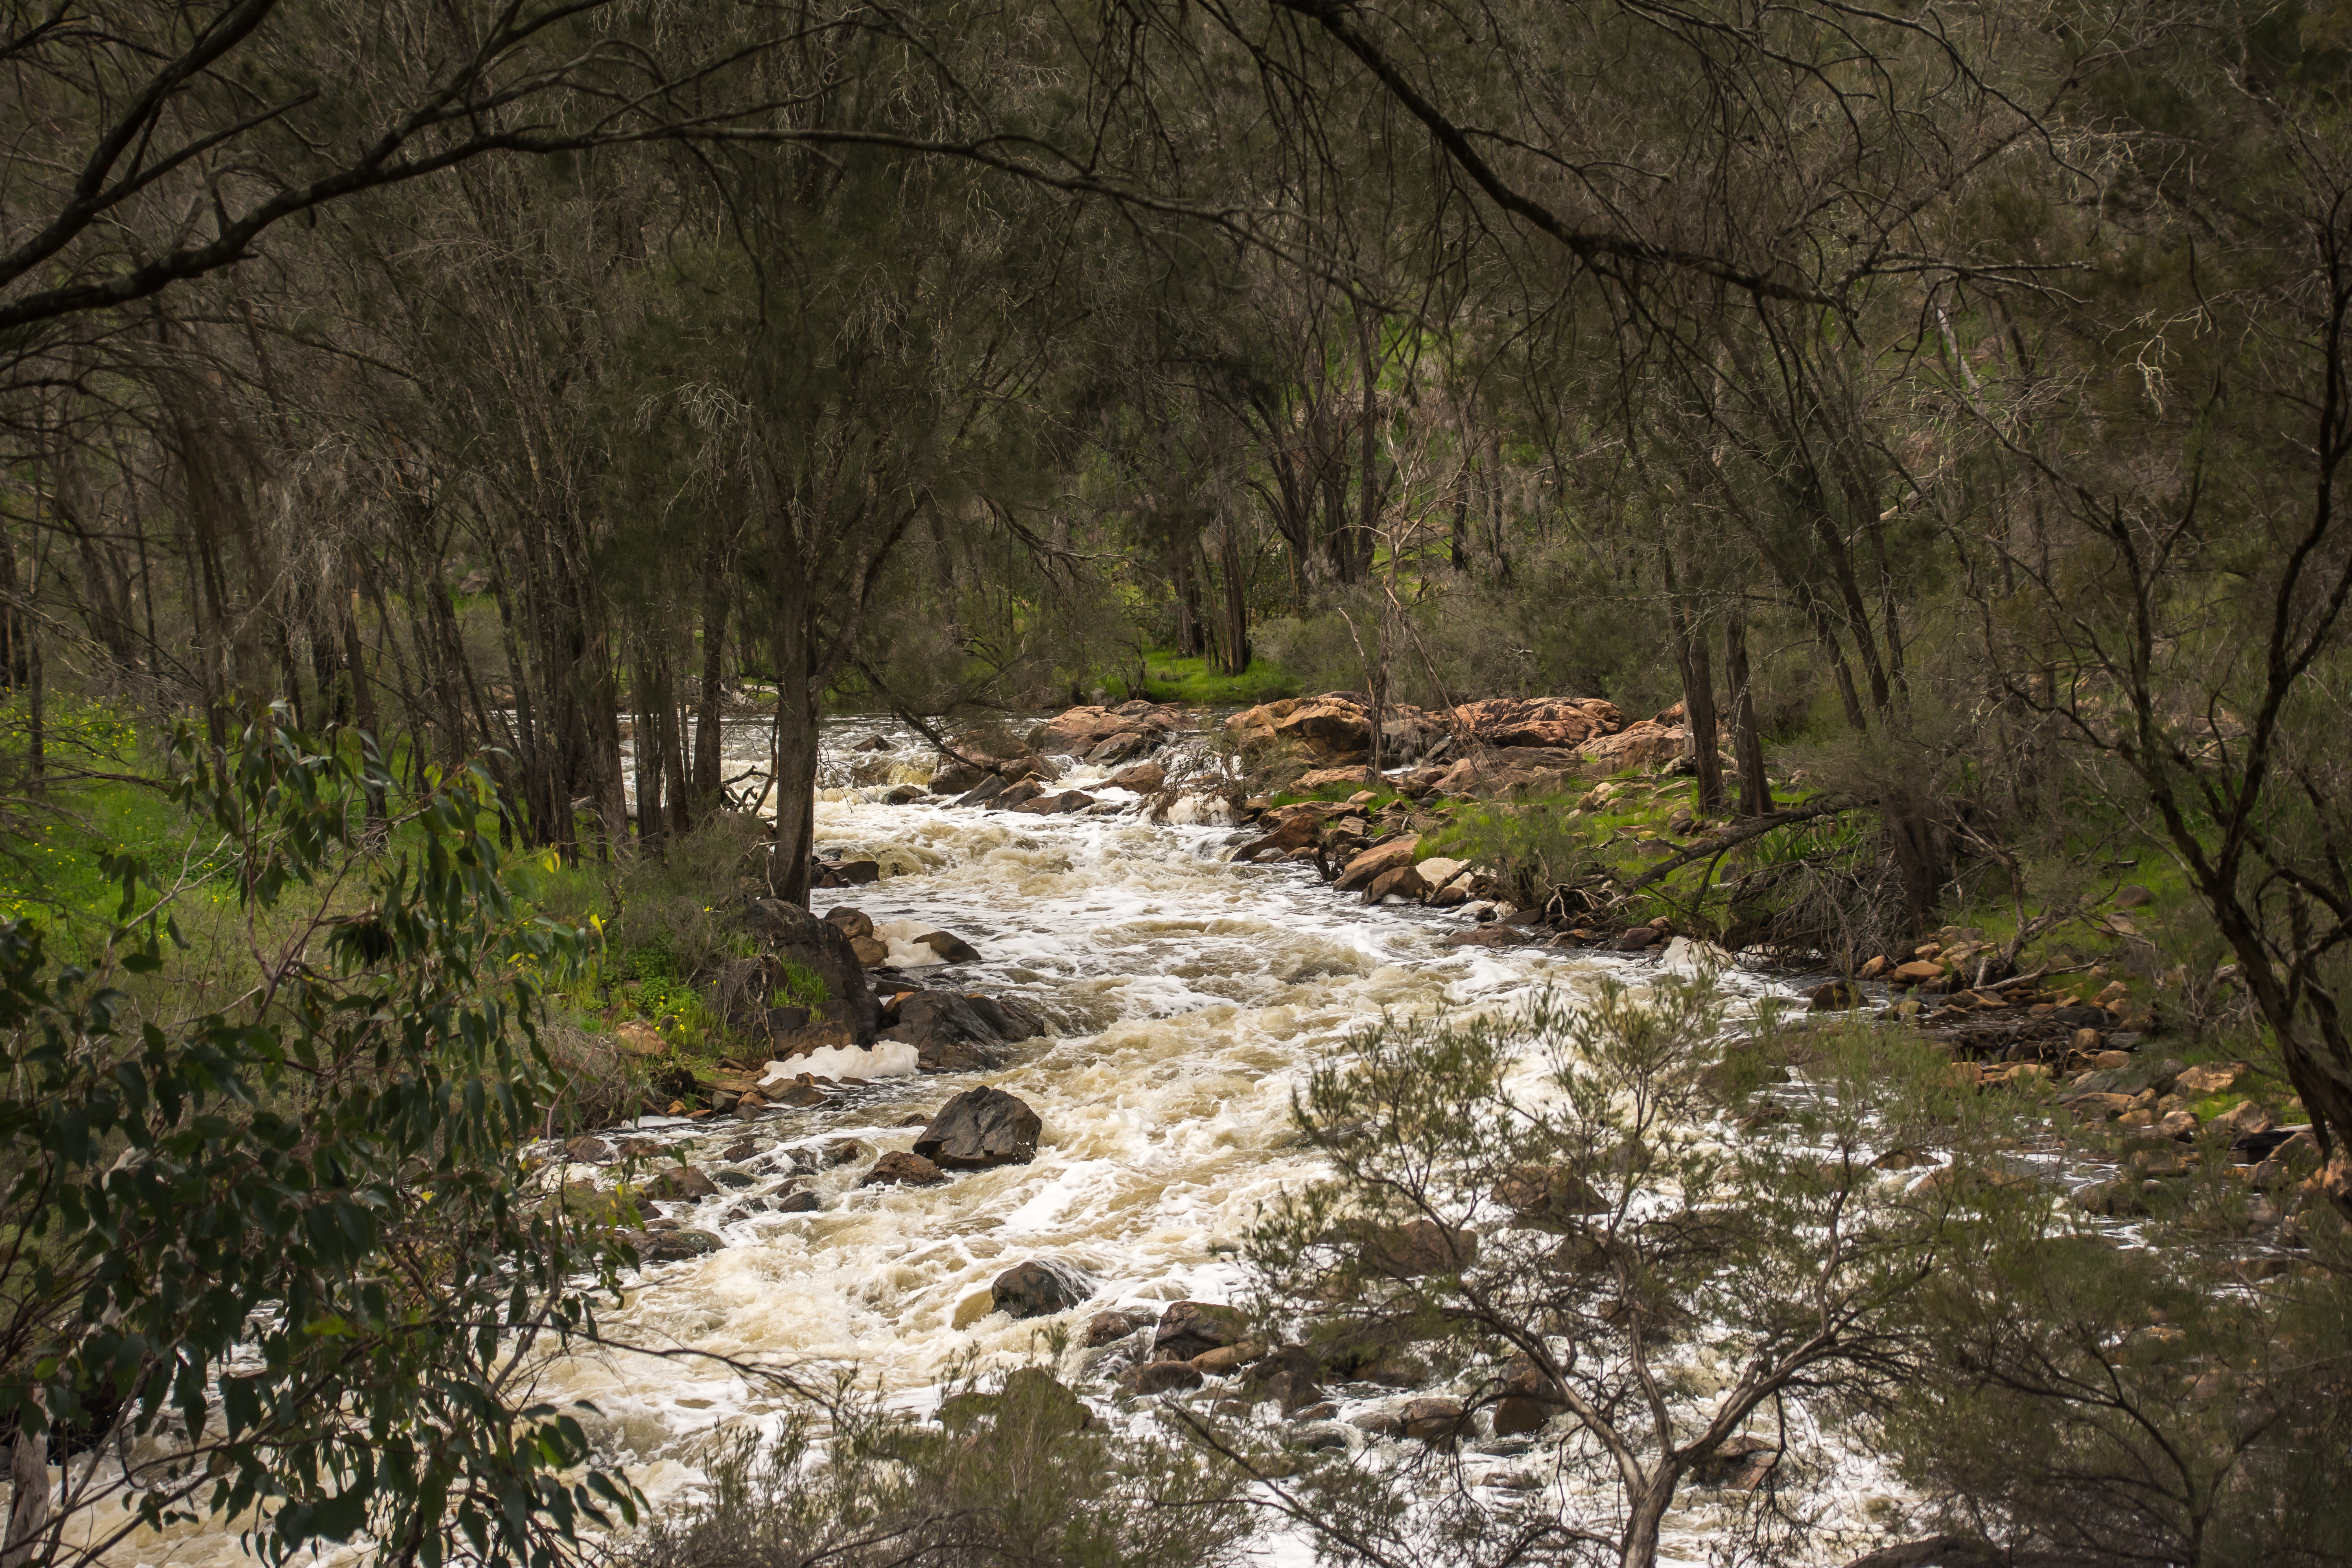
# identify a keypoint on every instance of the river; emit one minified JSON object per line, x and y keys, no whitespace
{"x":1187,"y":997}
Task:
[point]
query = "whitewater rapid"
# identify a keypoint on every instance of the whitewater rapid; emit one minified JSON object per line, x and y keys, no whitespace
{"x":1187,"y":998}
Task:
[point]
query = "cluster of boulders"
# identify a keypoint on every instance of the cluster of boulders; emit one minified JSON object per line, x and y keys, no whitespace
{"x":1375,"y":851}
{"x":2170,"y":1114}
{"x":977,"y":1130}
{"x":2087,"y":1056}
{"x":1102,"y":737}
{"x":952,"y":1030}
{"x":1495,"y":744}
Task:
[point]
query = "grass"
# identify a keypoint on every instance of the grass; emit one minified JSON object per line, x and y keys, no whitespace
{"x":1170,"y":677}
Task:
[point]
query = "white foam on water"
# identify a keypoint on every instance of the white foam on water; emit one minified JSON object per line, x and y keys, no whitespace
{"x":1186,"y":999}
{"x":885,"y":1058}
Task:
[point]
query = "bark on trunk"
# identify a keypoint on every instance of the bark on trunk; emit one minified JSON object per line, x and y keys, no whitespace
{"x":28,"y":1512}
{"x":1645,"y":1513}
{"x":710,"y":714}
{"x":794,"y":761}
{"x":1699,"y":694}
{"x":1234,"y":647}
{"x":1369,"y":493}
{"x":1747,"y":744}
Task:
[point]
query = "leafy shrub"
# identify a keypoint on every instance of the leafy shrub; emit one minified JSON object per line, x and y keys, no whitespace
{"x":1531,"y":846}
{"x":224,"y":1213}
{"x":1019,"y":1478}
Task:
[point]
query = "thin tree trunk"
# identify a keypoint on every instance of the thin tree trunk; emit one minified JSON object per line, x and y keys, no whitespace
{"x":709,"y":712}
{"x":1698,"y":693}
{"x":796,"y":739}
{"x":681,"y":788}
{"x":1747,"y":744}
{"x":1826,"y":636}
{"x":1191,"y":636}
{"x":363,"y":704}
{"x":1369,"y":493}
{"x":29,"y":1510}
{"x":1236,"y":645}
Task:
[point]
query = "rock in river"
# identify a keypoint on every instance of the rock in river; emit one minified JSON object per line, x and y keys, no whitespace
{"x":684,"y":1183}
{"x":1038,"y":1288}
{"x":1188,"y":1328}
{"x":792,"y":934}
{"x":672,"y":1245}
{"x":899,"y":1168}
{"x":979,"y":1128}
{"x":1364,"y":867}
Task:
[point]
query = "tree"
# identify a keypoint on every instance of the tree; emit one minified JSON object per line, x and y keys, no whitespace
{"x":2093,"y":1400}
{"x":279,"y":1255}
{"x":1540,"y":1204}
{"x":2168,"y":579}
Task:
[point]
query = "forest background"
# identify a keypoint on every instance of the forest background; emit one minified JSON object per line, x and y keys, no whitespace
{"x":1951,"y":399}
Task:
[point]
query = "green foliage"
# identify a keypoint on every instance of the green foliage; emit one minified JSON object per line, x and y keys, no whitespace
{"x":1170,"y":677}
{"x":1555,"y":1188}
{"x":277,"y":1252}
{"x":2111,"y":1401}
{"x":1531,"y":846}
{"x":798,"y":985}
{"x":1021,"y":1477}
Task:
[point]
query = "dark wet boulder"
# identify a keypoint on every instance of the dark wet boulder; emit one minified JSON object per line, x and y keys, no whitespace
{"x":1188,"y":1328}
{"x":979,"y":1128}
{"x":1033,"y":1396}
{"x":899,"y":1168}
{"x":790,"y":934}
{"x":948,"y":1032}
{"x":1437,"y":1420}
{"x":1497,"y":934}
{"x":1109,"y":1328}
{"x":1292,"y":1376}
{"x":983,"y":793}
{"x":682,"y":1184}
{"x":1039,"y":1289}
{"x":951,"y":949}
{"x":1161,"y":1377}
{"x":1012,"y":1021}
{"x":674,"y":1245}
{"x":1418,"y":1247}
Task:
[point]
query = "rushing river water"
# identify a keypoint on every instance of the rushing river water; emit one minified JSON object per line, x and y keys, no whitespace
{"x":1187,"y":997}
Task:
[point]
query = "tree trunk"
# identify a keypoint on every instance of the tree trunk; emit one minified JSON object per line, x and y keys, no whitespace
{"x":1747,"y":744}
{"x":364,"y":705}
{"x":1234,"y":644}
{"x":681,"y":785}
{"x":1190,"y":637}
{"x":28,"y":1511}
{"x":15,"y":626}
{"x":1698,"y":693}
{"x":1825,"y":634}
{"x":1369,"y":493}
{"x":710,"y":713}
{"x":793,"y":766}
{"x":1645,"y":1513}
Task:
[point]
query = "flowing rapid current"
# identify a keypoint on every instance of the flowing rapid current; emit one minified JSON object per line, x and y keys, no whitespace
{"x":1187,"y":997}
